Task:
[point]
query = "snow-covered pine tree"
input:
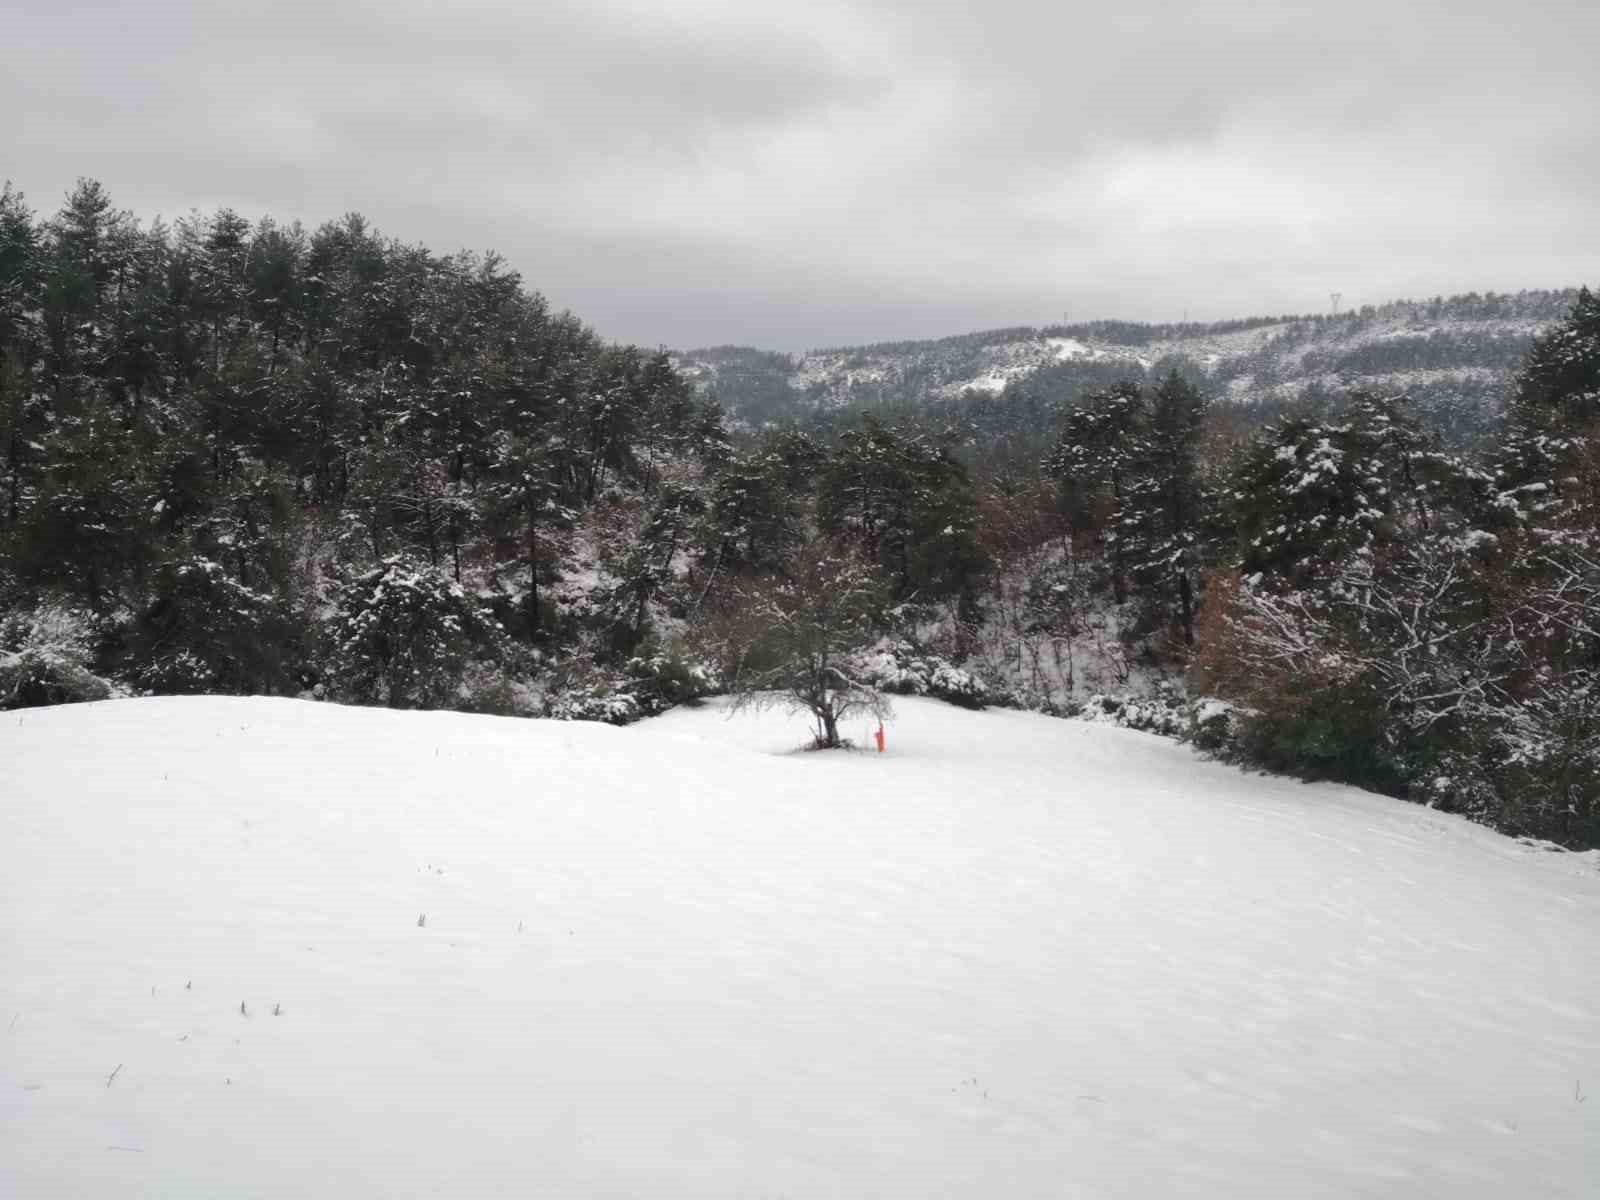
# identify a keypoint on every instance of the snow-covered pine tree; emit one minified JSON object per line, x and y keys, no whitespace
{"x":1540,"y":748}
{"x":906,"y":504}
{"x":1548,"y":468}
{"x":204,"y":633}
{"x":1161,"y":504}
{"x":1309,"y":492}
{"x":404,"y":634}
{"x":1092,"y":463}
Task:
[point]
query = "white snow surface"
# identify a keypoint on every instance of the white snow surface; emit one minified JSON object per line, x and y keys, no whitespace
{"x":1013,"y":956}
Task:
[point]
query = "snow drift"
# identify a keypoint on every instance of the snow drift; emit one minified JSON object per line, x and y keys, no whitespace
{"x":267,"y":948}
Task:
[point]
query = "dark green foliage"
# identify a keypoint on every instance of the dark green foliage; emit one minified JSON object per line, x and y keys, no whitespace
{"x":907,"y":505}
{"x":663,"y":678}
{"x":1548,"y":467}
{"x":91,"y":524}
{"x":31,"y":679}
{"x":404,"y":636}
{"x":1559,"y":385}
{"x":1338,"y":734}
{"x":1309,"y":492}
{"x":756,"y":511}
{"x":647,"y":569}
{"x":647,"y":684}
{"x":1125,"y":465}
{"x":1164,"y":508}
{"x":903,"y":669}
{"x":1419,"y":626}
{"x":44,"y":657}
{"x":206,"y":633}
{"x":289,"y":405}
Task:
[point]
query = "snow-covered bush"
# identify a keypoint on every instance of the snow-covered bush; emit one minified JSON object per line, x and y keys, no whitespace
{"x":898,"y":667}
{"x":646,"y":686}
{"x":52,"y":627}
{"x":1165,"y":713}
{"x":206,"y":633}
{"x":581,"y":690}
{"x":1547,"y":750}
{"x":1211,"y":723}
{"x":45,"y":656}
{"x":490,"y":688}
{"x":594,"y":703}
{"x":404,"y":635}
{"x":663,"y":678}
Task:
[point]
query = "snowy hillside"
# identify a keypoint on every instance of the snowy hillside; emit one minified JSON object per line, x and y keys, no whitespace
{"x":1463,"y":348}
{"x":275,"y":948}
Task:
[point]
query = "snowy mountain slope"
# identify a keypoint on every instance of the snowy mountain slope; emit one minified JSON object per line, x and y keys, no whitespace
{"x":1012,"y":956}
{"x":1470,"y":344}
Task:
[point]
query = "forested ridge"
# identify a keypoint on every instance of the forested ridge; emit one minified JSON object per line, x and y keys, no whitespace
{"x":255,"y":458}
{"x":1004,"y":388}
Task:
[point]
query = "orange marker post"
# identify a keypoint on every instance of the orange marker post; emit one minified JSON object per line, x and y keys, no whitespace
{"x":878,"y":737}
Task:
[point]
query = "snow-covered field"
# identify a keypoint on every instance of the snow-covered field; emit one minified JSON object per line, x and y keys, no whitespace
{"x":273,"y":948}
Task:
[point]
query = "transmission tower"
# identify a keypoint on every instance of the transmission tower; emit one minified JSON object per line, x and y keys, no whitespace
{"x":1336,"y":297}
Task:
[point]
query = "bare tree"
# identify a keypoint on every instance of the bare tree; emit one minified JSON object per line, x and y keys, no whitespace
{"x":791,"y":639}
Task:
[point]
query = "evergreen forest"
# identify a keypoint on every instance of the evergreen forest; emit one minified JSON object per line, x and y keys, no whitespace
{"x":253,"y":458}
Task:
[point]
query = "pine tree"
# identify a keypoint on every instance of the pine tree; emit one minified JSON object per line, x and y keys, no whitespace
{"x":1309,"y":492}
{"x":1157,"y":525}
{"x":93,"y":525}
{"x":646,"y":570}
{"x":22,"y":418}
{"x":404,"y":634}
{"x":205,"y":633}
{"x":1093,"y":463}
{"x":907,"y":505}
{"x":1548,"y":469}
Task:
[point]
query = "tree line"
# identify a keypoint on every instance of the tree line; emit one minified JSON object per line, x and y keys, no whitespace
{"x":251,"y":457}
{"x":255,"y":457}
{"x":1378,"y":610}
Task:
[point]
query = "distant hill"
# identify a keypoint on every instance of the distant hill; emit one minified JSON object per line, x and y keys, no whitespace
{"x":1454,"y":356}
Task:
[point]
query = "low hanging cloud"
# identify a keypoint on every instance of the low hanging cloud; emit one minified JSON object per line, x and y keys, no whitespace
{"x":791,"y":175}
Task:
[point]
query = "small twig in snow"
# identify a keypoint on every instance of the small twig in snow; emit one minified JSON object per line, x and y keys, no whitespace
{"x":113,"y":1075}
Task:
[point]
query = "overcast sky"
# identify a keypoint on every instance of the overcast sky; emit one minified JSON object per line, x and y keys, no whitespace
{"x":801,"y":174}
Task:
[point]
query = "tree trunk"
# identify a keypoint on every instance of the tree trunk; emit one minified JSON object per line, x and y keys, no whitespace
{"x":830,"y":726}
{"x":533,"y":568}
{"x":14,"y":466}
{"x":1186,"y":607}
{"x":430,"y":525}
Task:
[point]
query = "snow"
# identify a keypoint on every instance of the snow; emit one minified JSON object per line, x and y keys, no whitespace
{"x":993,"y":381}
{"x":1012,"y":956}
{"x":1064,"y":348}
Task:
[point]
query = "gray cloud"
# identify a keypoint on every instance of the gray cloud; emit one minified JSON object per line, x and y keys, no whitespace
{"x":695,"y":172}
